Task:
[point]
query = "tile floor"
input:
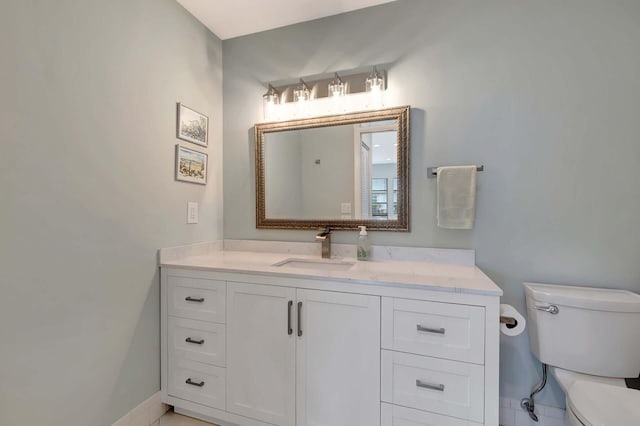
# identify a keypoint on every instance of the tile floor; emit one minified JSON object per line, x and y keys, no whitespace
{"x":173,"y":419}
{"x":517,"y":418}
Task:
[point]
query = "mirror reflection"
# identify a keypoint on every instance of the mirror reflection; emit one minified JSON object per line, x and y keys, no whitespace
{"x":339,"y":171}
{"x":333,"y":173}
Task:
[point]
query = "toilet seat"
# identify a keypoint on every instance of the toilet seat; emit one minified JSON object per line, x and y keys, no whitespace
{"x":597,"y":404}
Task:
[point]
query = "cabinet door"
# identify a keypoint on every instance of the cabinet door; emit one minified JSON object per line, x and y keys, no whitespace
{"x":338,"y":359}
{"x":261,"y":352}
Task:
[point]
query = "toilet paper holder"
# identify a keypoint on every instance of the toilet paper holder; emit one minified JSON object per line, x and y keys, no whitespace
{"x":509,"y":321}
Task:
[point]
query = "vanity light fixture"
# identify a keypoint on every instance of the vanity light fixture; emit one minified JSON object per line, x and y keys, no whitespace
{"x":302,"y":92}
{"x":340,"y":93}
{"x":269,"y":101}
{"x":375,"y":82}
{"x":375,"y":86}
{"x":337,"y":88}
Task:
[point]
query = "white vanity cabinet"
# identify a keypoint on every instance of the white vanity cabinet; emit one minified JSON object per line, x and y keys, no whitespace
{"x":262,"y":350}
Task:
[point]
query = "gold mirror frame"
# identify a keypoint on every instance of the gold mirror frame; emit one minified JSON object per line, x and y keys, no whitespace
{"x":401,"y":114}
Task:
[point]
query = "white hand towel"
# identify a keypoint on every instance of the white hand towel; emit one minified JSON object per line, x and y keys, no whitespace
{"x":456,"y":197}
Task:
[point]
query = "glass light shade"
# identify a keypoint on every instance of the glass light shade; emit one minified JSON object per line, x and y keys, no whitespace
{"x":269,"y":102}
{"x":269,"y":105}
{"x":375,"y":86}
{"x":301,"y":92}
{"x":336,"y":90}
{"x":270,"y":98}
{"x":374,"y":83}
{"x":337,"y":87}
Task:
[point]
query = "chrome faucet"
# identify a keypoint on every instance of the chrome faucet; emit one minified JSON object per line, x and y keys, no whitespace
{"x":324,"y":236}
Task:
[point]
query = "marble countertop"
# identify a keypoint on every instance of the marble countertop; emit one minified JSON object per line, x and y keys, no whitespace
{"x":413,"y":274}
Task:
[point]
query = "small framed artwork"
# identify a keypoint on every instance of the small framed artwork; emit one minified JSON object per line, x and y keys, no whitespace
{"x":192,"y":126}
{"x":191,"y":166}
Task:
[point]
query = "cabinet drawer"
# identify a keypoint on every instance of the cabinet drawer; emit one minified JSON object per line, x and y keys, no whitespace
{"x":196,"y":382}
{"x":197,"y":341}
{"x":440,"y":386}
{"x":196,"y":298}
{"x":435,"y":329}
{"x":394,"y":415}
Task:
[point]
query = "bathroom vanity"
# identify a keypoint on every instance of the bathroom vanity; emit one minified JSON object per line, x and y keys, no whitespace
{"x":257,"y":338}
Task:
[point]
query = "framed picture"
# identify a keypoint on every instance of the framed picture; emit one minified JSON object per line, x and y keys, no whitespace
{"x":191,"y":166}
{"x":192,"y":126}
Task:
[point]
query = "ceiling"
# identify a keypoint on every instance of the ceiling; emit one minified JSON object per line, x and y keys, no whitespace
{"x":233,"y":18}
{"x":385,"y":147}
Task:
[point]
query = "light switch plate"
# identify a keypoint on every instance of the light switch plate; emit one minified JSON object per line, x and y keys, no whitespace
{"x":192,"y":212}
{"x":345,"y":208}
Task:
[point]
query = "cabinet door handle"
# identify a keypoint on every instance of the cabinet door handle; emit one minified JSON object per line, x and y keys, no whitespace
{"x":197,"y":342}
{"x":299,"y":319}
{"x":194,"y":299}
{"x":430,"y":330}
{"x":289,"y":329}
{"x":425,"y":385}
{"x":192,"y":383}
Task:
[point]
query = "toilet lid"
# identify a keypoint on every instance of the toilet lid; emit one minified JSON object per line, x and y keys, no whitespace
{"x":597,"y":404}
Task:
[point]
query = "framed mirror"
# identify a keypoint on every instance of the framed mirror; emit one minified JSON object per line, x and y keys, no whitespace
{"x":339,"y":171}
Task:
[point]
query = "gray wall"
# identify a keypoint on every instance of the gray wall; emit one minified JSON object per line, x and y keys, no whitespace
{"x":297,"y":187}
{"x":328,"y":184}
{"x":545,"y":94}
{"x":87,"y":131}
{"x":283,"y":175}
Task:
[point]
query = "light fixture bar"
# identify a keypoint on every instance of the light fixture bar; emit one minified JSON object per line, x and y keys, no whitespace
{"x":320,"y":88}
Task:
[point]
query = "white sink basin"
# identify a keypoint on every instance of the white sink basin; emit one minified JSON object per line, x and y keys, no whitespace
{"x":316,"y":264}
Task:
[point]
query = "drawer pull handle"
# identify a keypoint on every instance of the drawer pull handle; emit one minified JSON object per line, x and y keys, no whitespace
{"x":197,"y":342}
{"x":425,"y":385}
{"x":192,"y":383}
{"x":193,"y":299}
{"x":430,"y":330}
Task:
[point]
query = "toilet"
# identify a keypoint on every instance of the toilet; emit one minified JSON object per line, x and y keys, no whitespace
{"x":590,"y":340}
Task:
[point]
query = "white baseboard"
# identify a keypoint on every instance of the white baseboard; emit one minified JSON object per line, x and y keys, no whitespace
{"x":511,"y":414}
{"x":146,"y":413}
{"x":149,"y":412}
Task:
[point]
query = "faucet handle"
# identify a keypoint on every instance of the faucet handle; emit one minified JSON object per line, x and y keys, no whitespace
{"x":324,"y":231}
{"x":324,"y":234}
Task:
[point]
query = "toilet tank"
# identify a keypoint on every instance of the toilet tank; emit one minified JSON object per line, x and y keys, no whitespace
{"x":594,"y":331}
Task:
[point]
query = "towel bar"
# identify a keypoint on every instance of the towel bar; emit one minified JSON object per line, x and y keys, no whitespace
{"x":433,"y":171}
